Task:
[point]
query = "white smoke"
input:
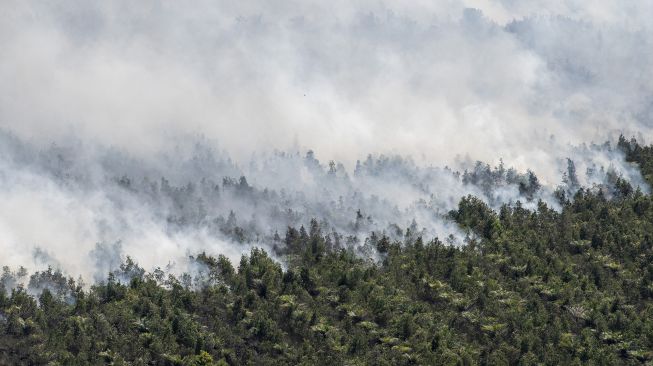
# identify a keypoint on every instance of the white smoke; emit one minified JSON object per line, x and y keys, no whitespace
{"x":116,"y":84}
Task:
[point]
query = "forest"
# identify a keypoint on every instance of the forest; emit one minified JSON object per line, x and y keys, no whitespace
{"x":530,"y":285}
{"x":457,"y":182}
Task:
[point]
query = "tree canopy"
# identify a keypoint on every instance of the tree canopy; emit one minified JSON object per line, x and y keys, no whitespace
{"x":543,"y":286}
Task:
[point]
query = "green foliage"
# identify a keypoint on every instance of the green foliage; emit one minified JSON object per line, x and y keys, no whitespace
{"x":543,"y":287}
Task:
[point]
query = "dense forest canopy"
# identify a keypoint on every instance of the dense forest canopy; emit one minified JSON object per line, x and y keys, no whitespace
{"x":569,"y":285}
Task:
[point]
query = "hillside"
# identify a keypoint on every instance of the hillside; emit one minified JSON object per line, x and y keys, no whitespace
{"x":568,"y":286}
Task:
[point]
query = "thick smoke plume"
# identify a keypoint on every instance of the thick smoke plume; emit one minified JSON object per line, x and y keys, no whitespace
{"x":126,"y":127}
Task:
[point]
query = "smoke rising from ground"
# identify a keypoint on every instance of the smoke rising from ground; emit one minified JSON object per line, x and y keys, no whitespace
{"x":83,"y":208}
{"x":115,"y":86}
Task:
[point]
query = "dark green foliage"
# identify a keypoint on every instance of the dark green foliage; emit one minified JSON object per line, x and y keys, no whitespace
{"x":530,"y":287}
{"x":638,"y":154}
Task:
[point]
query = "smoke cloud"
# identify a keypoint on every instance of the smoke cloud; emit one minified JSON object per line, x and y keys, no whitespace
{"x":167,"y":95}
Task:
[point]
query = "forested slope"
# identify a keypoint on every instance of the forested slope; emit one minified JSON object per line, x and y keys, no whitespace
{"x":530,"y":286}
